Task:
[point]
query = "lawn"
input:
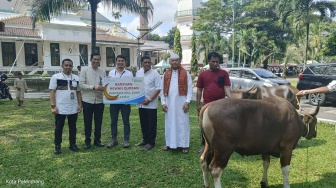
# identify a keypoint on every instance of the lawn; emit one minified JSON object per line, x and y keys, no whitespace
{"x":27,"y":159}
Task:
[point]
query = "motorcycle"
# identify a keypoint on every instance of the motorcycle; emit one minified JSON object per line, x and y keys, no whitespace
{"x":4,"y":88}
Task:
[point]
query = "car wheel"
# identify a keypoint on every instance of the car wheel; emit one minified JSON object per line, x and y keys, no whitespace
{"x":315,"y":97}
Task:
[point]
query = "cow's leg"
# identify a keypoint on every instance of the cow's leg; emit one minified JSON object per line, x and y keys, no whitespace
{"x":285,"y":158}
{"x":218,"y":163}
{"x":205,"y":166}
{"x":266,"y":164}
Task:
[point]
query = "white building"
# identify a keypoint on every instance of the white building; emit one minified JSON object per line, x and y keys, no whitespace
{"x":184,"y":17}
{"x":67,"y":36}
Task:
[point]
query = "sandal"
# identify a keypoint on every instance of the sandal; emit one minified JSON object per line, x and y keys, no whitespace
{"x":166,"y":148}
{"x":185,"y":150}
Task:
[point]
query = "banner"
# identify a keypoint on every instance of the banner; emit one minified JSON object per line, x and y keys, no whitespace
{"x":127,"y":90}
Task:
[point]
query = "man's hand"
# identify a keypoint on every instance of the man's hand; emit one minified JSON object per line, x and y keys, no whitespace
{"x":186,"y":107}
{"x":165,"y":108}
{"x":54,"y":110}
{"x":198,"y":109}
{"x":79,"y":108}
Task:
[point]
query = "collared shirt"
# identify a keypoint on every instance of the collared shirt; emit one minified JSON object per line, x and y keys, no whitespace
{"x":124,"y":73}
{"x":152,"y":80}
{"x":332,"y":86}
{"x":90,"y":77}
{"x":66,"y":87}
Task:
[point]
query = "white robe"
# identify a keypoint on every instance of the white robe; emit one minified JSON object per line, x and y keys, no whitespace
{"x":177,"y":126}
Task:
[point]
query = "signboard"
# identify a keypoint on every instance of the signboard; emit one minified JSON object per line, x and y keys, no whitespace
{"x":127,"y":90}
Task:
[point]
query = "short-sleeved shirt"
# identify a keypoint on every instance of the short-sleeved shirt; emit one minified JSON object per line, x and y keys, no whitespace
{"x":213,"y":83}
{"x":66,"y":87}
{"x":152,"y":80}
{"x":332,"y":86}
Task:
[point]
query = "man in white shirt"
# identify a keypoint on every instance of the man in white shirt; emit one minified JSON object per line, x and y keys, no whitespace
{"x":148,"y":107}
{"x":92,"y":95}
{"x":65,"y":102}
{"x":125,"y":109}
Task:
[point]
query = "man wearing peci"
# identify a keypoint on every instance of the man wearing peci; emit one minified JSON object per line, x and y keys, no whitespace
{"x":148,"y":107}
{"x":175,"y":98}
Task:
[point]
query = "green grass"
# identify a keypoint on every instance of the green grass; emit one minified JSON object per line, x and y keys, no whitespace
{"x":26,"y":145}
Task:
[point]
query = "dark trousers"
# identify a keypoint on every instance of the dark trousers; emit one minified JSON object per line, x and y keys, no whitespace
{"x":59,"y":124}
{"x":91,"y":111}
{"x":125,"y":114}
{"x":148,"y":121}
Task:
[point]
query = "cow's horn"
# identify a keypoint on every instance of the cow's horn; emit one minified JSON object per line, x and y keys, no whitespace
{"x":317,"y":109}
{"x":250,"y":89}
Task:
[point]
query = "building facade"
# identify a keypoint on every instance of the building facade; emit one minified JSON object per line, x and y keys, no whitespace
{"x":42,"y":49}
{"x":184,"y":17}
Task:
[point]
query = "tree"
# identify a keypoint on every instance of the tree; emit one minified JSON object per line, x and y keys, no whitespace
{"x":154,"y":37}
{"x":177,"y":43}
{"x":169,"y":39}
{"x":194,"y":62}
{"x":43,"y":10}
{"x":330,"y":47}
{"x":305,"y":12}
{"x":116,"y":15}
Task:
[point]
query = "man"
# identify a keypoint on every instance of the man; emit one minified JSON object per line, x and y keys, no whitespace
{"x":125,"y":109}
{"x":148,"y":107}
{"x":92,"y":96}
{"x":21,"y":88}
{"x":175,"y":99}
{"x":214,"y":84}
{"x":324,"y":89}
{"x":65,"y":102}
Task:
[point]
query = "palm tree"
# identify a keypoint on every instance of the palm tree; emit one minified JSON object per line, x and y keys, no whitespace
{"x":43,"y":10}
{"x":305,"y":12}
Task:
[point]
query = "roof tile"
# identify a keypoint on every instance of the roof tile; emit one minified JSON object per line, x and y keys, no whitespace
{"x":20,"y":20}
{"x":20,"y":32}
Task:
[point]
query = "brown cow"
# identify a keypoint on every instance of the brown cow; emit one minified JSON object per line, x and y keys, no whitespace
{"x":259,"y":92}
{"x":269,"y":126}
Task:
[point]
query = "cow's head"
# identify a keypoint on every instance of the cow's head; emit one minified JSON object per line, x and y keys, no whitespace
{"x":250,"y":93}
{"x":310,"y":120}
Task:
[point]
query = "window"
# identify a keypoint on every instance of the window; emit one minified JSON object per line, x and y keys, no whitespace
{"x":110,"y":57}
{"x":248,"y":75}
{"x":331,"y":71}
{"x":126,"y":52}
{"x":234,"y":73}
{"x":30,"y":54}
{"x":83,"y":54}
{"x":318,"y":69}
{"x":55,"y":54}
{"x":8,"y":53}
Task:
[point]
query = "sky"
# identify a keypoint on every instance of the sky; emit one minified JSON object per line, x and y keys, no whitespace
{"x":164,"y":11}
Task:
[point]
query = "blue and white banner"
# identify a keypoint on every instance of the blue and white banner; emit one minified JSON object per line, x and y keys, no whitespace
{"x":127,"y":90}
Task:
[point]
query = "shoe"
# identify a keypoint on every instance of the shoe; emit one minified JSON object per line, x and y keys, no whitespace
{"x":113,"y":143}
{"x":98,"y":144}
{"x":87,"y":146}
{"x":126,"y":144}
{"x":165,"y":148}
{"x":57,"y":150}
{"x":142,"y":143}
{"x":185,"y":150}
{"x":74,"y":148}
{"x":148,"y":147}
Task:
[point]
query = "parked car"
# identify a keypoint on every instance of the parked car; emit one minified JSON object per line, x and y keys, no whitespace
{"x":247,"y":77}
{"x":318,"y":75}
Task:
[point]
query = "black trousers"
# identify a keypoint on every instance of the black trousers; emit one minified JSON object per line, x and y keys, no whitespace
{"x":148,"y":121}
{"x":92,"y":111}
{"x":59,"y":124}
{"x":125,"y":114}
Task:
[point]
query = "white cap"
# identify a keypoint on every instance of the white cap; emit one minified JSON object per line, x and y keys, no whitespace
{"x":174,"y":56}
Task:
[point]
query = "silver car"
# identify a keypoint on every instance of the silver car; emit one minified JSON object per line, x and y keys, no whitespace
{"x":247,"y":77}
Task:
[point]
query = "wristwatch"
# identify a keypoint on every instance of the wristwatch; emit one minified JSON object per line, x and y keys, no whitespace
{"x":52,"y":106}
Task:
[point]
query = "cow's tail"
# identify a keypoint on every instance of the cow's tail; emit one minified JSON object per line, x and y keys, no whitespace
{"x":206,"y":155}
